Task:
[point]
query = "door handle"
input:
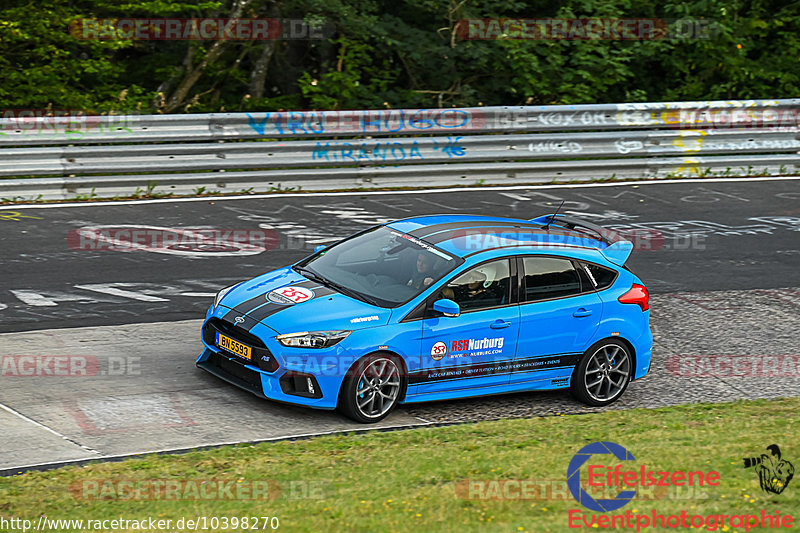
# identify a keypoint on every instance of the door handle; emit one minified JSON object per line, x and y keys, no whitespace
{"x":582,"y":312}
{"x":499,"y":324}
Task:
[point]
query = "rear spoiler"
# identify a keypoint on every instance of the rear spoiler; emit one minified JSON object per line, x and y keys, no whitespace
{"x":619,"y":248}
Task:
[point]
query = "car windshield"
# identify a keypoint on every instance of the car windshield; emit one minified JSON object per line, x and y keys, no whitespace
{"x":381,"y":266}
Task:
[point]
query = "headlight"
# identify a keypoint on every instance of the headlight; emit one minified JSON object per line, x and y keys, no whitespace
{"x":312,"y":339}
{"x":221,"y":294}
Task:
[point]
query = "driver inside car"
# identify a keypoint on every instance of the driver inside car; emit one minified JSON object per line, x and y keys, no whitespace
{"x":423,"y":273}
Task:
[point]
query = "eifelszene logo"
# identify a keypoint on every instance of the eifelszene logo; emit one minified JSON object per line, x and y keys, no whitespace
{"x":604,"y":476}
{"x":774,"y":473}
{"x":574,"y":477}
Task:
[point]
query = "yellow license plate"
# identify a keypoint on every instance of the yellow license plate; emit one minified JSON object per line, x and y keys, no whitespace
{"x":226,"y":343}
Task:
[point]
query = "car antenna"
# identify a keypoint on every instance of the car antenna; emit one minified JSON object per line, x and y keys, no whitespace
{"x":553,"y":216}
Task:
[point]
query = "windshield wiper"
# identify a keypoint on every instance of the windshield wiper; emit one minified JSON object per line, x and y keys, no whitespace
{"x":307,"y":272}
{"x":310,"y":274}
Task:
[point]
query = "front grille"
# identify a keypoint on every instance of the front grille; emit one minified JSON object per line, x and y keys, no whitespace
{"x":231,"y":330}
{"x":227,"y":369}
{"x":261,"y":355}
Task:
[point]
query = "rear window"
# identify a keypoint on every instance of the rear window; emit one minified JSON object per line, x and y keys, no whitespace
{"x":603,"y":277}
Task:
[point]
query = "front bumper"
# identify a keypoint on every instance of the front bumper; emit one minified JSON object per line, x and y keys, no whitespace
{"x":278,"y":379}
{"x":283,"y":385}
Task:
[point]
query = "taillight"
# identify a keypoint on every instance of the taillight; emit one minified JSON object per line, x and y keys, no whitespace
{"x":637,"y":295}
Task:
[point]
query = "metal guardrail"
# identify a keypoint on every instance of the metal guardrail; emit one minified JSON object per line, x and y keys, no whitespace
{"x":391,"y":148}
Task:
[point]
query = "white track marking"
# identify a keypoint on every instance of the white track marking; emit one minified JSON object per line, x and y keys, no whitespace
{"x":38,"y":424}
{"x":515,"y":196}
{"x":33,"y":298}
{"x":114,"y":290}
{"x":384,"y":193}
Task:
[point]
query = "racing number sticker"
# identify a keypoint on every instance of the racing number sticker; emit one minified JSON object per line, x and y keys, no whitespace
{"x":438,"y":351}
{"x":290,"y":295}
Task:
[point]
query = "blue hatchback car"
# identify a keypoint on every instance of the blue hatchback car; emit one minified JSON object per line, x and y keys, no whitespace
{"x":436,"y":308}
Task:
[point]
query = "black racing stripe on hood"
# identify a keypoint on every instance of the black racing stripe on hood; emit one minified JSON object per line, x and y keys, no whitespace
{"x":260,"y":313}
{"x":261,"y":298}
{"x":251,"y":304}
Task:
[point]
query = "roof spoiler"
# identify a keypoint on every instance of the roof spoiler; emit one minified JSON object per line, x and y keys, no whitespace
{"x":619,"y":248}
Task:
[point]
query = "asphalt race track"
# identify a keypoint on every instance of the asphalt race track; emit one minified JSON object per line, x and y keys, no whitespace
{"x":725,"y":279}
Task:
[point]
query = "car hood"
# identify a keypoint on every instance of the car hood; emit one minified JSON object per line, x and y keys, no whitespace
{"x":288,"y":302}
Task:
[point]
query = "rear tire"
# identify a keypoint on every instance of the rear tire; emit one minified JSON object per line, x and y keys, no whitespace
{"x":372,"y":388}
{"x":603,"y":373}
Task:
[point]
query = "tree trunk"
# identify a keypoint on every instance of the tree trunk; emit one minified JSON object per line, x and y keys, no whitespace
{"x":258,"y":74}
{"x":159,"y":102}
{"x":190,"y":78}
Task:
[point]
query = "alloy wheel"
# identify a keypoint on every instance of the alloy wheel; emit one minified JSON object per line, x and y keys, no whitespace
{"x":378,"y":388}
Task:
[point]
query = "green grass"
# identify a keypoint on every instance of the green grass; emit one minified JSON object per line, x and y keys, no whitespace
{"x":406,"y":480}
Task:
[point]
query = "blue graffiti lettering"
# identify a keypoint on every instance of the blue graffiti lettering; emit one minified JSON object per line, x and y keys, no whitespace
{"x":300,"y":123}
{"x":415,"y":151}
{"x":451,"y":147}
{"x":366,"y":122}
{"x":321,"y":152}
{"x":318,"y":118}
{"x":398,"y":152}
{"x":464,"y":118}
{"x":377,"y":152}
{"x":295,"y":122}
{"x":420,"y":123}
{"x":259,"y":127}
{"x":381,"y":151}
{"x":349,"y":152}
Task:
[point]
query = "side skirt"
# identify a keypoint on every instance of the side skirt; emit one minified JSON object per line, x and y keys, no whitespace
{"x":482,"y":390}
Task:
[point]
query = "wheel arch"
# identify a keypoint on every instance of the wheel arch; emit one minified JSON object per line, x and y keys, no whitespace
{"x":396,"y":356}
{"x":628,"y":344}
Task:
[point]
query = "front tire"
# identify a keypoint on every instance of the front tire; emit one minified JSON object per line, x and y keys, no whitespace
{"x":371,"y":389}
{"x":603,"y":373}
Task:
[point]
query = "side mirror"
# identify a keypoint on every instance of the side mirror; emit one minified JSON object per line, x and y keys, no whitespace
{"x":319,"y":247}
{"x":446,"y":307}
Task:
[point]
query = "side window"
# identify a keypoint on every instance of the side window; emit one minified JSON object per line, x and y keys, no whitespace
{"x":548,"y":277}
{"x":484,"y":286}
{"x":603,"y":277}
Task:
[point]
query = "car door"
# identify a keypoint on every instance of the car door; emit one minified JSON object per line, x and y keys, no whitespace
{"x":474,"y":349}
{"x":559,"y":313}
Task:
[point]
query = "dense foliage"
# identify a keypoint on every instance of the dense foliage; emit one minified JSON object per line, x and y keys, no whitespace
{"x":391,"y":53}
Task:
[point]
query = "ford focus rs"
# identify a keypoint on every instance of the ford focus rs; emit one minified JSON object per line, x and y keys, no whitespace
{"x":436,"y":308}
